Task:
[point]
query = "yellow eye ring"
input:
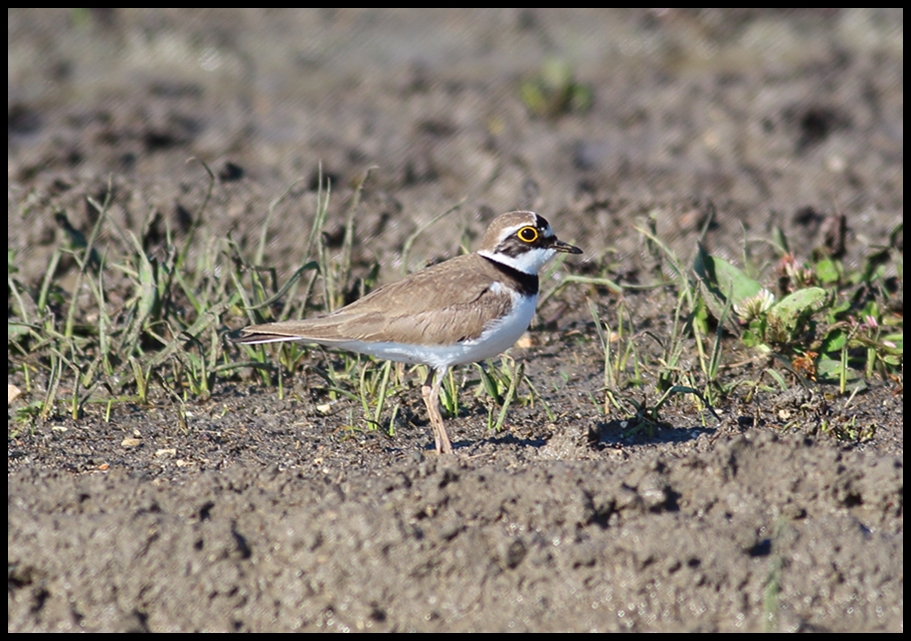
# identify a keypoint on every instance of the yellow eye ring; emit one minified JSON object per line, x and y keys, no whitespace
{"x":528,"y":234}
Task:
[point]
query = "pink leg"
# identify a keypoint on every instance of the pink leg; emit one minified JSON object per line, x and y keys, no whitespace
{"x":431,"y":393}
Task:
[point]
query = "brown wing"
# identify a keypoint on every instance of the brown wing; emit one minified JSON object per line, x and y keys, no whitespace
{"x":442,"y":304}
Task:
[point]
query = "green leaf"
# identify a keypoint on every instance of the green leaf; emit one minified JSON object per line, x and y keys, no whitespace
{"x":15,"y":330}
{"x":147,"y":291}
{"x":834,"y":341}
{"x":827,"y":271}
{"x":787,"y":312}
{"x":754,"y":336}
{"x":837,"y":310}
{"x":830,"y":369}
{"x":721,"y":281}
{"x":778,"y":378}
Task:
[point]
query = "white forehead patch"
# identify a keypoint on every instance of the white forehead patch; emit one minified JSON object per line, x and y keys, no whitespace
{"x":509,"y":231}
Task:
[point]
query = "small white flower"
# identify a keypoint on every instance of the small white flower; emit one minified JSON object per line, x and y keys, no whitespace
{"x":754,"y":306}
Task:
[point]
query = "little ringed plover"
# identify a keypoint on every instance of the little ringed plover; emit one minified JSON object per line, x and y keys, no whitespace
{"x":463,"y":310}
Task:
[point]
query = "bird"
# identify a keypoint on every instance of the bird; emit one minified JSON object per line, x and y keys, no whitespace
{"x":462,"y":310}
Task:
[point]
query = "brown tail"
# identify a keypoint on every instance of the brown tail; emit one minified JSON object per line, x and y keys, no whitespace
{"x":262,"y":334}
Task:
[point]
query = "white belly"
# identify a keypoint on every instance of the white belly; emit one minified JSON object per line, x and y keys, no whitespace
{"x":497,"y":338}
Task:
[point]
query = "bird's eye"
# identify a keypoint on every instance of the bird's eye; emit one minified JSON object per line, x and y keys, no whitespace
{"x":528,"y":234}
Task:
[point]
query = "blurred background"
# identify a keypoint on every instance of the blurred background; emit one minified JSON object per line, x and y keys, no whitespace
{"x":769,"y":117}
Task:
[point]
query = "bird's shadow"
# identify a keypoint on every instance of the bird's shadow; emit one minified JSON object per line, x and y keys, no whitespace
{"x":505,"y":438}
{"x":632,"y":431}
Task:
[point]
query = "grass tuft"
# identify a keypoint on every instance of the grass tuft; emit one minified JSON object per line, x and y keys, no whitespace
{"x":123,"y":317}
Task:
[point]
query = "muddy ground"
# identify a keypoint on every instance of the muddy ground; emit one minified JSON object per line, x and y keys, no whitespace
{"x":260,"y":514}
